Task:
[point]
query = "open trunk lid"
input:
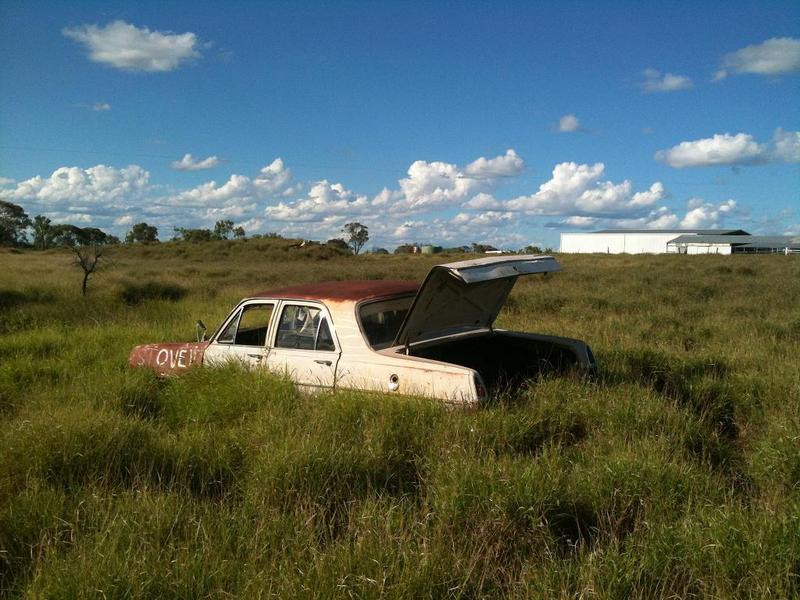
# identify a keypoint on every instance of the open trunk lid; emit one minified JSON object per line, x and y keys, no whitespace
{"x":466,"y":295}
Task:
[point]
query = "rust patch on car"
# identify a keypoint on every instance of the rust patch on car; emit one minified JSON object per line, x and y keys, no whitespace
{"x":168,"y":357}
{"x":357,"y":290}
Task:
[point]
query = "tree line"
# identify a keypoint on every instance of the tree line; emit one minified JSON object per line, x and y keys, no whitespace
{"x":15,"y":225}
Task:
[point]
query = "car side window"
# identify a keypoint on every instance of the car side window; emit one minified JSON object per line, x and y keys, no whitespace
{"x":229,"y":333}
{"x":249,"y":327}
{"x":304,"y":328}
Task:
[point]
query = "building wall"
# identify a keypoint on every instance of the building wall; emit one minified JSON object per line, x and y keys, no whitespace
{"x":708,"y":249}
{"x":616,"y":243}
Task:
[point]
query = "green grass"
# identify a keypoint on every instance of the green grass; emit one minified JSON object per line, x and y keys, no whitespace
{"x":675,"y":474}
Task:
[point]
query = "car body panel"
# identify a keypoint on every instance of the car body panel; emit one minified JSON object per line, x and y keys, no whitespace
{"x":456,"y":300}
{"x":168,"y":357}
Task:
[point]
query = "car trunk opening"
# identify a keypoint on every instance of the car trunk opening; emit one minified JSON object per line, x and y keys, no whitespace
{"x":465,"y":295}
{"x":503,"y":360}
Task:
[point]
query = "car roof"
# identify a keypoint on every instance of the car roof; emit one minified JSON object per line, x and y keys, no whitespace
{"x":353,"y":290}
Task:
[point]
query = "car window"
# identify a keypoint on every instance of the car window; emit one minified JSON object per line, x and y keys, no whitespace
{"x":229,"y":333}
{"x":253,"y":325}
{"x":380,"y":321}
{"x":304,"y":328}
{"x":249,"y":327}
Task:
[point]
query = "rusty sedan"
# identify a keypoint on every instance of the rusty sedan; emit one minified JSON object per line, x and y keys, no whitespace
{"x":434,"y":339}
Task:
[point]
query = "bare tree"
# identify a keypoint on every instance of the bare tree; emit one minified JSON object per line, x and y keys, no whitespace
{"x":87,"y":257}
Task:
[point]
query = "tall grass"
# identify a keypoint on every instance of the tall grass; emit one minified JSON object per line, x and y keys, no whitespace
{"x":674,"y":474}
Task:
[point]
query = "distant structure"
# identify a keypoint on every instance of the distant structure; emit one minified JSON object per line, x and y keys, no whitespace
{"x":677,"y":241}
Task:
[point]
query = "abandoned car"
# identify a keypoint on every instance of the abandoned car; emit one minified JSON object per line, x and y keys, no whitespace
{"x":436,"y":339}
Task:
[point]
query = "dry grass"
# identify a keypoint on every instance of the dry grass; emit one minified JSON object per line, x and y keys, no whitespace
{"x":676,"y":474}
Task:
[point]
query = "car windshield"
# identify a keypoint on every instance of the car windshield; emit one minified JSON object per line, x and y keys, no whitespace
{"x":380,"y":321}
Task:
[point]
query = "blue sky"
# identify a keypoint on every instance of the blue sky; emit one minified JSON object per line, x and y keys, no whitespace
{"x":444,"y":123}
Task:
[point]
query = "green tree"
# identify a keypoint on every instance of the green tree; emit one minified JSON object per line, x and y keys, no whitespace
{"x":193,"y":235}
{"x":142,"y":233}
{"x":239,"y":233}
{"x":338,"y":243}
{"x":222,"y":229}
{"x":42,"y":232}
{"x":482,"y":248}
{"x":13,"y":223}
{"x":357,"y":235}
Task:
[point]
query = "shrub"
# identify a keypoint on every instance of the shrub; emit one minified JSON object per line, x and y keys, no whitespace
{"x":134,"y":293}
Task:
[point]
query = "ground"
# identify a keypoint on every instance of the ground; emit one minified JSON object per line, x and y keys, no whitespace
{"x":675,"y":474}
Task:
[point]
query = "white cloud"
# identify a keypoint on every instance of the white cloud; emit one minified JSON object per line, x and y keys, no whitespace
{"x":579,"y":190}
{"x":786,"y":146}
{"x":493,"y":227}
{"x":253,"y":225}
{"x":80,"y":218}
{"x":482,"y":201}
{"x":509,"y":165}
{"x":189,"y":163}
{"x":434,"y":184}
{"x":324,"y":200}
{"x":655,"y":81}
{"x":7,"y":181}
{"x":568,"y":124}
{"x":704,"y":215}
{"x":699,"y":215}
{"x":101,"y":106}
{"x":123,"y":221}
{"x":727,"y":149}
{"x":274,"y":179}
{"x":229,"y":211}
{"x":270,"y":181}
{"x":125,"y":46}
{"x":775,"y":56}
{"x":98,"y":184}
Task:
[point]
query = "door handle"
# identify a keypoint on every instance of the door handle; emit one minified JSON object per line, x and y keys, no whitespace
{"x":324,"y":362}
{"x":256,"y":356}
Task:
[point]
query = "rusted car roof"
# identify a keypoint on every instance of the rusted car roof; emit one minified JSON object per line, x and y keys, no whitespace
{"x":354,"y":290}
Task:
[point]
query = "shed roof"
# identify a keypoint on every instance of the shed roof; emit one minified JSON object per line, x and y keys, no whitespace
{"x":752,"y":241}
{"x":354,"y":290}
{"x":678,"y":231}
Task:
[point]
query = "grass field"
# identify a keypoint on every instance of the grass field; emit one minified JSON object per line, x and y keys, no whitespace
{"x":676,"y":474}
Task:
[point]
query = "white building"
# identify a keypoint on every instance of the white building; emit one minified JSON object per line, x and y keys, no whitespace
{"x":633,"y":241}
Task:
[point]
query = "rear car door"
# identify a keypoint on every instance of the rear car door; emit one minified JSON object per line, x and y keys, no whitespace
{"x":305,"y":345}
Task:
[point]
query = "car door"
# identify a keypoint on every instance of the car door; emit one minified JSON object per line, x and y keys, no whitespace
{"x":244,"y":336}
{"x":305,"y":346}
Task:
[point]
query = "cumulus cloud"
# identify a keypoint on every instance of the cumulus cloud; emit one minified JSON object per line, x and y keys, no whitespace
{"x":580,"y":190}
{"x":432,"y":184}
{"x":130,"y":48}
{"x":727,"y":149}
{"x":776,"y":56}
{"x":568,"y":124}
{"x":190,"y":163}
{"x":705,"y":215}
{"x":98,"y":184}
{"x":508,"y":165}
{"x":493,"y":227}
{"x":699,"y":215}
{"x":786,"y":146}
{"x":7,"y":181}
{"x":123,"y":220}
{"x":271,"y":180}
{"x":482,"y":201}
{"x":324,"y":199}
{"x":655,"y":81}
